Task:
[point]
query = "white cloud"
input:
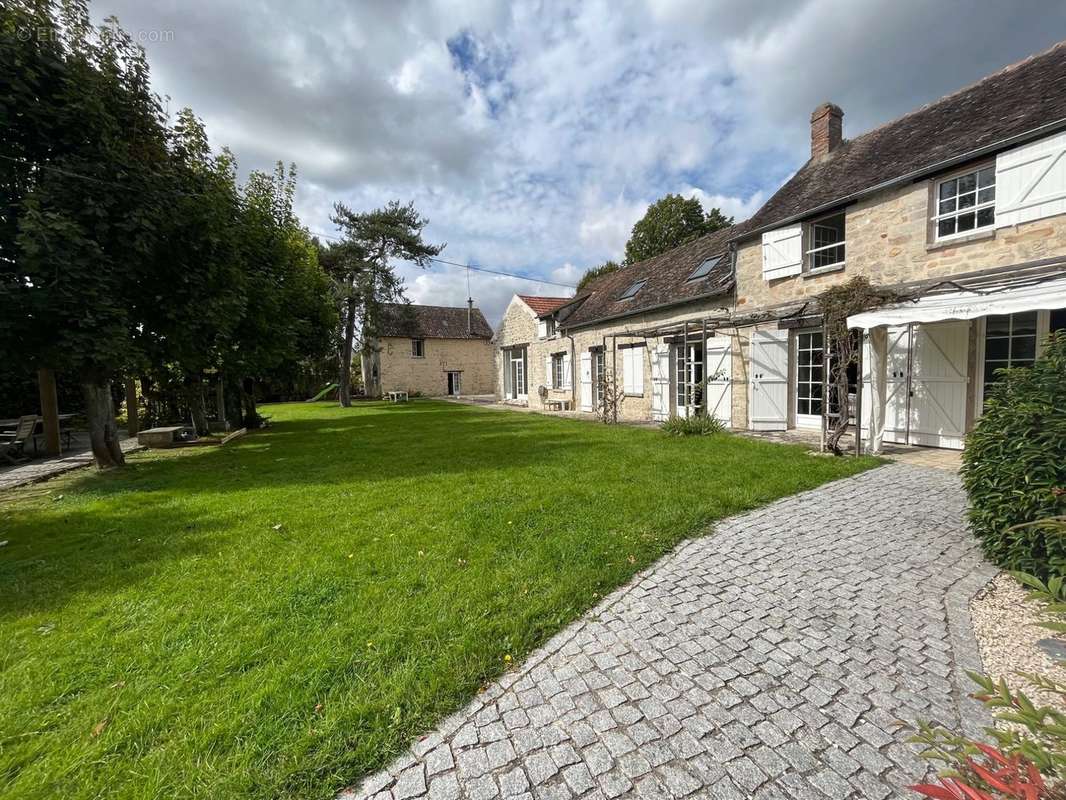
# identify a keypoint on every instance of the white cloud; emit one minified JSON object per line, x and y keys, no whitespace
{"x":735,"y":207}
{"x":533,"y":136}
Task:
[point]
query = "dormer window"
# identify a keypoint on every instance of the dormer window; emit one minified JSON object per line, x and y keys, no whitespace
{"x":827,"y":243}
{"x":634,"y":287}
{"x":703,"y":270}
{"x":546,"y":327}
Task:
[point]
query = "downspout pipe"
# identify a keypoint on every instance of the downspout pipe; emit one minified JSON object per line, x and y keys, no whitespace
{"x":573,"y":371}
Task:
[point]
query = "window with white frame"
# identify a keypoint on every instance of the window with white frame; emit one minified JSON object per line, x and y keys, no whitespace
{"x":418,"y":348}
{"x":558,"y":371}
{"x":809,"y":367}
{"x":633,"y":370}
{"x":966,"y":203}
{"x":827,"y":243}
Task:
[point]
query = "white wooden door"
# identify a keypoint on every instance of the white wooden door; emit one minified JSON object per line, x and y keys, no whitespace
{"x":719,"y":371}
{"x":897,"y":384}
{"x":926,"y":385}
{"x":660,"y":382}
{"x":586,"y":381}
{"x":769,"y":380}
{"x":939,"y":378}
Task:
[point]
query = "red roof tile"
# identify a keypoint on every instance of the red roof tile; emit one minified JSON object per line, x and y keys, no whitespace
{"x":543,"y":305}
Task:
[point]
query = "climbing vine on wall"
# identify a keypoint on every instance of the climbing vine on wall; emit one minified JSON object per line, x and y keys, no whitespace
{"x":843,"y":347}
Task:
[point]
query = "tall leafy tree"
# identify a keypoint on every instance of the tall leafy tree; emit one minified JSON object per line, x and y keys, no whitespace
{"x":201,"y":265}
{"x":669,"y":222}
{"x":126,"y":246}
{"x":346,"y":264}
{"x":86,"y":193}
{"x":378,"y":238}
{"x":288,"y":316}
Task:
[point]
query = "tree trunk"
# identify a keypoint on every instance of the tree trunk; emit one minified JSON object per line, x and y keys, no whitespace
{"x":370,"y":368}
{"x":344,"y":392}
{"x":194,"y":396}
{"x":251,"y":414}
{"x":103,"y":430}
{"x":232,"y":403}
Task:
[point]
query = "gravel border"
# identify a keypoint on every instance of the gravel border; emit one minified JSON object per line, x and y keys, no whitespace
{"x":1005,"y":625}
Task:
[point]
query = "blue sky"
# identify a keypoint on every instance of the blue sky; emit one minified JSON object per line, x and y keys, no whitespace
{"x":533,"y":135}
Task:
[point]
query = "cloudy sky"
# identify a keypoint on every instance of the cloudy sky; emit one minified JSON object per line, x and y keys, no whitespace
{"x":534,"y":135}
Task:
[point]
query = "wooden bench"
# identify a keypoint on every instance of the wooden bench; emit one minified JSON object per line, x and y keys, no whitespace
{"x":397,"y":397}
{"x":558,"y":404}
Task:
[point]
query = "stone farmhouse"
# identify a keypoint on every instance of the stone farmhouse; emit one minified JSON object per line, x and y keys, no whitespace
{"x":434,"y":351}
{"x":958,"y":208}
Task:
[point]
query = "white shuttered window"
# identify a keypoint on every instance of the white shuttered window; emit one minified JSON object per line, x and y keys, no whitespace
{"x":632,"y":370}
{"x":782,"y":252}
{"x":1031,"y":181}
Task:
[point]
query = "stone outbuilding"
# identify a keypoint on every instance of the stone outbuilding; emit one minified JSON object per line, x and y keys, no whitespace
{"x":435,"y":351}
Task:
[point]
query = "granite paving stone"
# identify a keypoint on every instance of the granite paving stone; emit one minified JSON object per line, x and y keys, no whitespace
{"x":771,"y":658}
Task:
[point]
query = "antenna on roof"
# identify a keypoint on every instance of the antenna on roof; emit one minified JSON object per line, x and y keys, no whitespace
{"x":469,"y":305}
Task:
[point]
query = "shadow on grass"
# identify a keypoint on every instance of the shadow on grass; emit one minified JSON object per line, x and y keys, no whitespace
{"x":56,"y":554}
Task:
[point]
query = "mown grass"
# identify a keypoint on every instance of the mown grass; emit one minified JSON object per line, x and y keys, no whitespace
{"x":164,"y":637}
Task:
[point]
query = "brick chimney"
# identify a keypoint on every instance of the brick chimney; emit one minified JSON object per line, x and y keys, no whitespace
{"x":827,"y":128}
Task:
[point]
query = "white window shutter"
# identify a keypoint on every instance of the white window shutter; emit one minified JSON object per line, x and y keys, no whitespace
{"x":1031,"y":181}
{"x":782,"y":252}
{"x":548,"y":372}
{"x":567,"y":373}
{"x":542,"y":329}
{"x":633,"y":370}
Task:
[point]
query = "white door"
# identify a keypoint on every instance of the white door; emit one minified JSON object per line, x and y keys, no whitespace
{"x":939,"y":377}
{"x":897,"y":384}
{"x":769,"y":380}
{"x":720,"y":378}
{"x":660,"y":382}
{"x":926,"y":385}
{"x":810,"y":385}
{"x":688,"y":379}
{"x":586,"y":381}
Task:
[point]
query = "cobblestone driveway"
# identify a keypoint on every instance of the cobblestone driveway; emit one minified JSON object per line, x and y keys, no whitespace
{"x":771,"y":660}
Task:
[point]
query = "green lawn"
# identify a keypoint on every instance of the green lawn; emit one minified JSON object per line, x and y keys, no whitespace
{"x":278,"y":617}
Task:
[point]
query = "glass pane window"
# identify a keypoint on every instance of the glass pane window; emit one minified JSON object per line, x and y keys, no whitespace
{"x":1010,"y":341}
{"x":966,"y":203}
{"x":557,"y":371}
{"x":418,"y":348}
{"x":809,"y":373}
{"x":827,"y":242}
{"x":688,"y":376}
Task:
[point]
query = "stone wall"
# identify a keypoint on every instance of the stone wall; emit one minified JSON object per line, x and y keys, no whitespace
{"x":518,"y":327}
{"x":890,"y":240}
{"x":401,"y":371}
{"x":631,"y":407}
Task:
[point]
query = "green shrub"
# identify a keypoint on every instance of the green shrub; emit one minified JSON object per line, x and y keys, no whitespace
{"x":692,"y":426}
{"x":1014,"y":465}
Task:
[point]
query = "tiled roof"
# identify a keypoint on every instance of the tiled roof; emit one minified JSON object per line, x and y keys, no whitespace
{"x":543,"y":305}
{"x":1014,"y":101}
{"x":433,"y":322}
{"x":666,"y":279}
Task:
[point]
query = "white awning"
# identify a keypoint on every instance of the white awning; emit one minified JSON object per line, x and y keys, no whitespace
{"x":1006,"y":298}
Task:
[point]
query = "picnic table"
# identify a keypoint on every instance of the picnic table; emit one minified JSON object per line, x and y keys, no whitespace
{"x":38,"y":430}
{"x":397,"y":397}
